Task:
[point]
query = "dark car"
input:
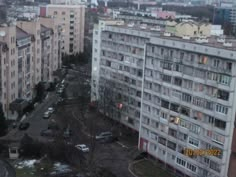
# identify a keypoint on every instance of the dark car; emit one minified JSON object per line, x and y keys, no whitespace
{"x":110,"y":139}
{"x":53,"y":126}
{"x":48,"y":133}
{"x":24,"y":126}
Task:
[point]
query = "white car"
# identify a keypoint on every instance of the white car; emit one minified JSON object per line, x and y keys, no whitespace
{"x":46,"y":115}
{"x":82,"y":147}
{"x":50,"y":110}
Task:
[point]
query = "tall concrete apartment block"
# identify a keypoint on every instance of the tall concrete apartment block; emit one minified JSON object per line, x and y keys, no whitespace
{"x":71,"y":18}
{"x":189,"y":102}
{"x":121,"y":62}
{"x":178,"y":92}
{"x":98,"y":28}
{"x":30,"y":54}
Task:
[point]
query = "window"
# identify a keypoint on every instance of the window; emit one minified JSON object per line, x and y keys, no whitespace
{"x":171,"y":145}
{"x":178,"y":81}
{"x":180,"y":162}
{"x":191,"y":167}
{"x":198,"y":101}
{"x":194,"y":128}
{"x":162,"y":51}
{"x":172,"y":132}
{"x":181,"y":55}
{"x":215,"y":166}
{"x":221,"y":109}
{"x":178,"y":67}
{"x":184,"y":123}
{"x":216,"y":63}
{"x":164,"y":115}
{"x":162,"y":141}
{"x":130,"y":121}
{"x":174,"y":107}
{"x":203,"y":60}
{"x":224,"y":79}
{"x":166,"y":65}
{"x":185,"y":111}
{"x":217,"y":138}
{"x":200,"y":73}
{"x":165,"y":104}
{"x":166,"y":78}
{"x":181,"y":136}
{"x":186,"y":97}
{"x":55,"y":13}
{"x":220,"y":124}
{"x":221,"y":94}
{"x":229,"y":66}
{"x":71,"y":47}
{"x":193,"y":142}
{"x":187,"y":84}
{"x":176,"y":94}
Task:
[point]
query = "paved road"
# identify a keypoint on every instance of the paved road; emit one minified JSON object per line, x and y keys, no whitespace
{"x":6,"y":170}
{"x":37,"y":123}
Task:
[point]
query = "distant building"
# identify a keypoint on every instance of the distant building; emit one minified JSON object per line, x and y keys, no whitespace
{"x":226,"y":16}
{"x":71,"y":18}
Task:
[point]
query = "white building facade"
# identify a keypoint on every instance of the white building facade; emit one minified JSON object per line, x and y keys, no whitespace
{"x":177,"y":93}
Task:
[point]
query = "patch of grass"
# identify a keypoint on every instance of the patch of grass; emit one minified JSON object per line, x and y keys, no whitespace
{"x":29,"y":172}
{"x":149,"y":169}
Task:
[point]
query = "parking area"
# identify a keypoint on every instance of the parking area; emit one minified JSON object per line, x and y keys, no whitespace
{"x":114,"y":156}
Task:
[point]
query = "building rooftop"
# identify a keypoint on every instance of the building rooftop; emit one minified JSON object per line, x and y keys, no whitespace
{"x":212,"y":41}
{"x":21,"y":34}
{"x":142,"y":27}
{"x":224,"y":42}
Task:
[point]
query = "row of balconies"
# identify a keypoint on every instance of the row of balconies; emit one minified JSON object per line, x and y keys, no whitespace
{"x":202,"y":62}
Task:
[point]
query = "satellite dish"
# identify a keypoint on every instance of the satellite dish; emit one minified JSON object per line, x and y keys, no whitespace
{"x":2,"y":33}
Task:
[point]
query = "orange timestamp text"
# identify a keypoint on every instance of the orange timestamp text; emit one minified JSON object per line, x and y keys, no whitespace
{"x":202,"y":152}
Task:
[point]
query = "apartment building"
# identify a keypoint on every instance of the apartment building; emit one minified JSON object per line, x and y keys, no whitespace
{"x":71,"y":18}
{"x":46,"y":46}
{"x":178,"y":92}
{"x":188,"y":101}
{"x":98,"y":28}
{"x":30,"y":54}
{"x":121,"y":71}
{"x":225,"y":15}
{"x":9,"y":68}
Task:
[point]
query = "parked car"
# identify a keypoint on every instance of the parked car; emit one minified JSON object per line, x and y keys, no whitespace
{"x":53,"y":126}
{"x":24,"y":126}
{"x":46,"y":115}
{"x":51,"y":110}
{"x":48,"y":133}
{"x":82,"y":147}
{"x":60,"y":91}
{"x":109,"y":139}
{"x":103,"y":135}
